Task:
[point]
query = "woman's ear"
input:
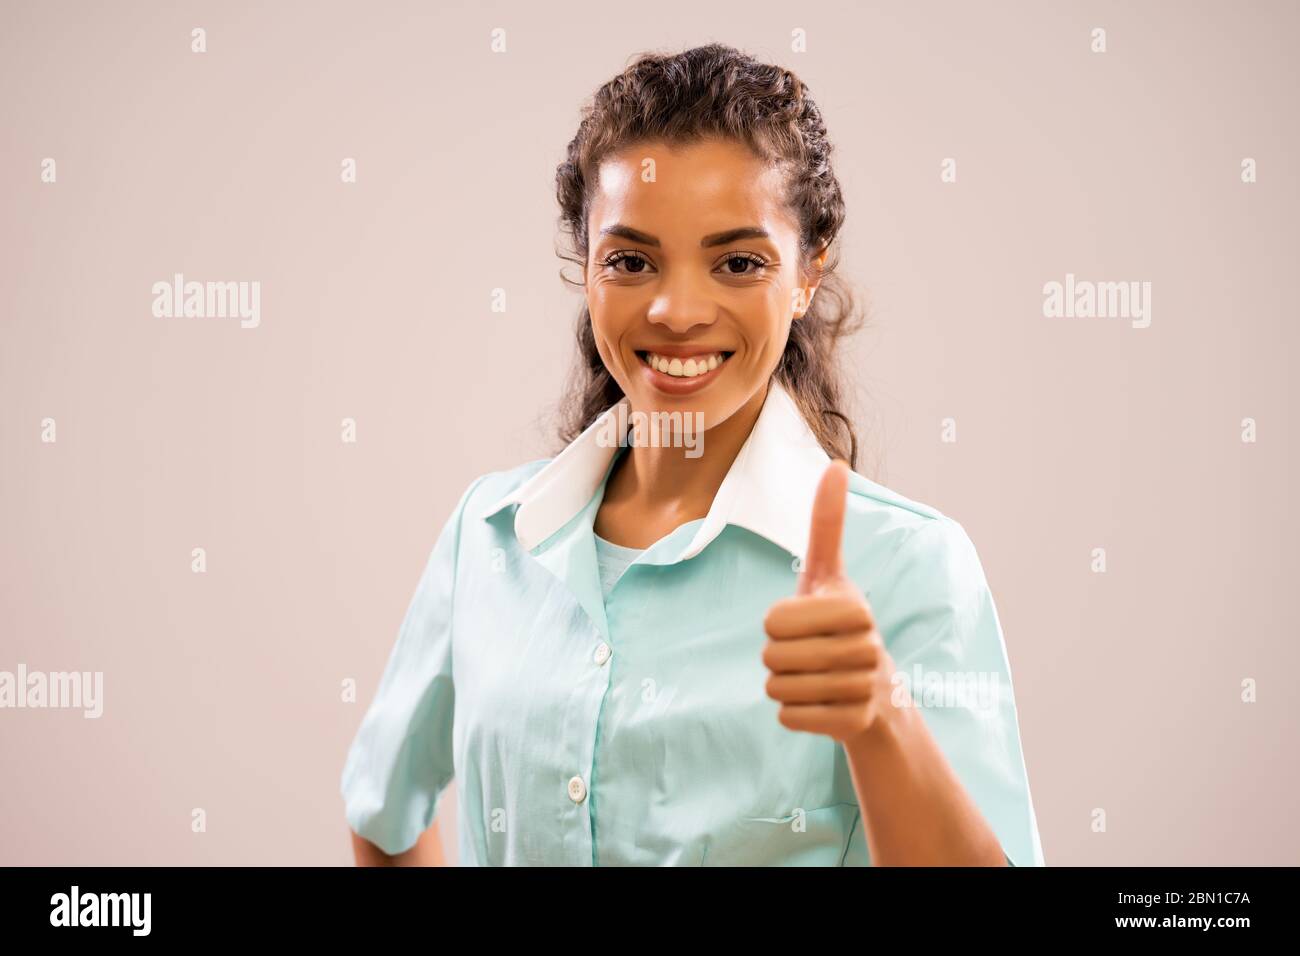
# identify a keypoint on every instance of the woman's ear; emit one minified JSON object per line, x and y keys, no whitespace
{"x":802,"y":296}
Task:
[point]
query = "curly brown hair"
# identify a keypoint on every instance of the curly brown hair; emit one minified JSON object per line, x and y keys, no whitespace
{"x":717,"y":91}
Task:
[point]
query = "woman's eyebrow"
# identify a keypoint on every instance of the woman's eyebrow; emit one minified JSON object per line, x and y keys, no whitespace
{"x":714,"y":239}
{"x":731,"y":235}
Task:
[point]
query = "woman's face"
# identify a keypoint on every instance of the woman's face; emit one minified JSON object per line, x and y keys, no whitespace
{"x":692,"y":275}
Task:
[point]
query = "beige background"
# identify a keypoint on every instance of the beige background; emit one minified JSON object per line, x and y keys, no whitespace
{"x":222,"y":689}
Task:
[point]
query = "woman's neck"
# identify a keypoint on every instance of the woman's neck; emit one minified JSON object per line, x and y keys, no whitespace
{"x":654,"y":490}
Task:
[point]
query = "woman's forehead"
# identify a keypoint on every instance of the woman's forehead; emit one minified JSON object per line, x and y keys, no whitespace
{"x":710,"y":163}
{"x":688,"y":191}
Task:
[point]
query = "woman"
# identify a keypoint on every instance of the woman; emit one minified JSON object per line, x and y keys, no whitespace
{"x":695,"y":636}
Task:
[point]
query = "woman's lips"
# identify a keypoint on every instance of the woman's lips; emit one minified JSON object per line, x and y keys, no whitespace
{"x":681,"y":384}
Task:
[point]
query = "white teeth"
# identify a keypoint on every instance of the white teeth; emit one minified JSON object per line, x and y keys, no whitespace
{"x":693,"y":366}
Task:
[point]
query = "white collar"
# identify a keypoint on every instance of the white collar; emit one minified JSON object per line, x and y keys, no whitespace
{"x":769,"y":489}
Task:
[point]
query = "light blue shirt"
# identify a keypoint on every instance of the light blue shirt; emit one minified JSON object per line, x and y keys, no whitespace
{"x":635,"y":729}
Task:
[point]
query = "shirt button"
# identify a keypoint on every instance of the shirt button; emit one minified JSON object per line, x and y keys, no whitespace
{"x":602,"y":653}
{"x":577,"y":789}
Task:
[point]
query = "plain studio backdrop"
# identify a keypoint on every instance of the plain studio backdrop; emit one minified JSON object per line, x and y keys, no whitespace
{"x":223,"y":691}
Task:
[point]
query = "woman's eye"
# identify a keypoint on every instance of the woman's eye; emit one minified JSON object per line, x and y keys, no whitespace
{"x":743,"y":264}
{"x":636,"y":264}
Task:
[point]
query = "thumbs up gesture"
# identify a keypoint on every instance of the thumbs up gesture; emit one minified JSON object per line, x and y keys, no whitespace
{"x":830,"y":670}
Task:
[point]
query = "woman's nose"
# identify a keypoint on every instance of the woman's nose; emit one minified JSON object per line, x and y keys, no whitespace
{"x":683,"y":302}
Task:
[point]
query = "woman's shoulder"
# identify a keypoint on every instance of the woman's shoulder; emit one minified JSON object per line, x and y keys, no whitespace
{"x":890,"y":535}
{"x":874,"y":508}
{"x":506,"y":480}
{"x":491,"y":488}
{"x":871,"y":495}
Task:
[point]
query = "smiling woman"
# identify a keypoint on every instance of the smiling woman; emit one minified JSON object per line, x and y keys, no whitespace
{"x":636,"y":653}
{"x":708,"y":167}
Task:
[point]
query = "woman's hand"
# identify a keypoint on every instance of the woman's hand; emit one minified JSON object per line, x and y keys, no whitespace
{"x":832,"y":675}
{"x":830,"y":670}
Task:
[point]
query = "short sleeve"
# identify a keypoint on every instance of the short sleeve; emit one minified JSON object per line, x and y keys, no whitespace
{"x":939,"y":622}
{"x":400,"y":761}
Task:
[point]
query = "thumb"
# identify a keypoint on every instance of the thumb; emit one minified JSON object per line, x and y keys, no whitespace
{"x":825,"y":560}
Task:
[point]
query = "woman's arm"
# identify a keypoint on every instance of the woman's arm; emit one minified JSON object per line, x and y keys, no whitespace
{"x":427,"y":851}
{"x":914,"y":808}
